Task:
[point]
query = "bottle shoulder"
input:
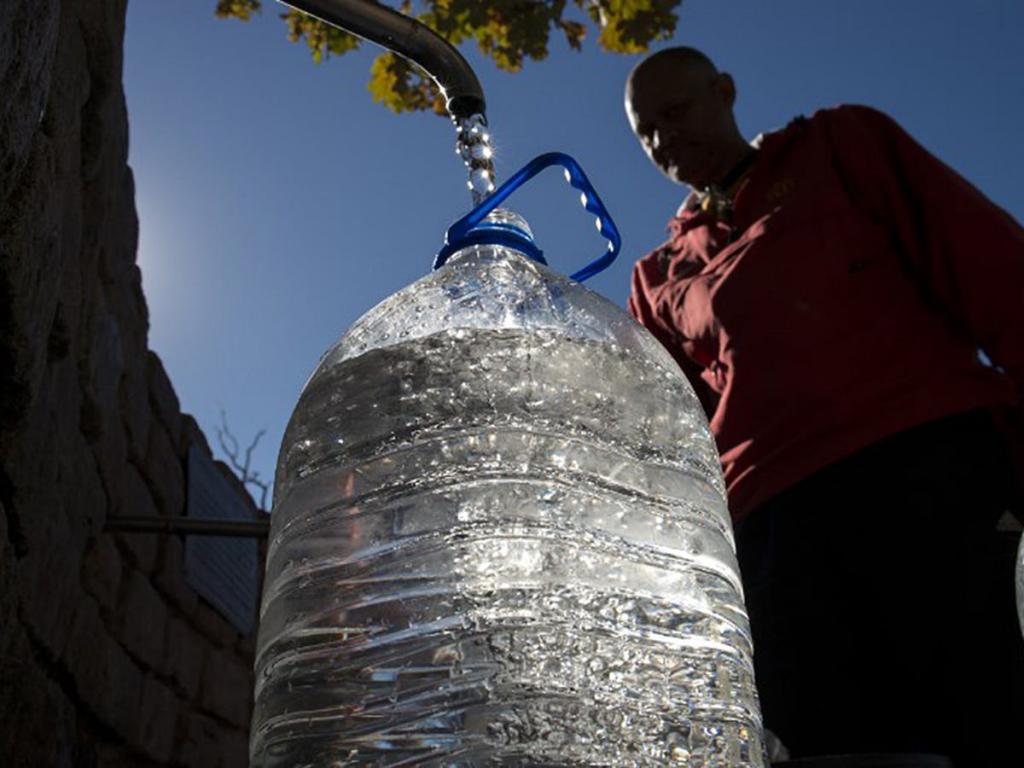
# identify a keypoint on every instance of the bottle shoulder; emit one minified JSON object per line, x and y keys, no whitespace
{"x":492,"y":288}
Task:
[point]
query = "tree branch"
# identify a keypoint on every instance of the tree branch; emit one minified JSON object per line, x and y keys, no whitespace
{"x":230,"y":447}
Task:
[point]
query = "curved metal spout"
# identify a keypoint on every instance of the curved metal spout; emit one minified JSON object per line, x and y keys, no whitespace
{"x":410,"y":39}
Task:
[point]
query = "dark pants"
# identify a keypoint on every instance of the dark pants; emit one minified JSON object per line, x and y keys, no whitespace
{"x":881,"y":599}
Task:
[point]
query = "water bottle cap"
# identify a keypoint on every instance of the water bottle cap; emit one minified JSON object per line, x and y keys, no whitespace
{"x":501,"y":227}
{"x":505,"y":218}
{"x":474,"y":228}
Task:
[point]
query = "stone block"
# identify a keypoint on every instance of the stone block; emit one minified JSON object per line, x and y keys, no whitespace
{"x":61,"y":396}
{"x":158,"y":716}
{"x":133,"y":399}
{"x":213,"y":626}
{"x":118,"y":756}
{"x":170,"y":577}
{"x":135,"y":497}
{"x":107,"y":194}
{"x":102,"y":365}
{"x":135,"y":500}
{"x":36,"y":508}
{"x":104,"y":361}
{"x":49,"y":591}
{"x":36,"y":719}
{"x":124,"y":287}
{"x":129,"y":305}
{"x":30,"y":253}
{"x":227,"y":688}
{"x":103,"y":430}
{"x":54,"y":473}
{"x":163,"y":399}
{"x":31,"y":471}
{"x":85,"y":500}
{"x":246,"y":647}
{"x":191,"y":434}
{"x":199,"y":741}
{"x":101,"y":571}
{"x":32,"y":707}
{"x":141,"y":620}
{"x":28,"y":42}
{"x":164,"y":473}
{"x":107,"y":680}
{"x":58,"y":344}
{"x":184,"y":650}
{"x":236,"y":749}
{"x":102,"y":27}
{"x":5,"y":590}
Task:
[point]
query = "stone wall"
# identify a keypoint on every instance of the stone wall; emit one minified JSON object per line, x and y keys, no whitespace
{"x":107,"y":657}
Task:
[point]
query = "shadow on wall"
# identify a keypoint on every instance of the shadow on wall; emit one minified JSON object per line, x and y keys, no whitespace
{"x":109,"y":654}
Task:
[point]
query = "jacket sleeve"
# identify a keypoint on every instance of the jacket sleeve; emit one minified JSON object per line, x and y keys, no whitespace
{"x":646,"y":281}
{"x":966,"y":252}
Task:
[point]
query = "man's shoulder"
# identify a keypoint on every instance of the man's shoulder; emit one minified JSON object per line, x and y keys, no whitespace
{"x":844,"y":125}
{"x":860,"y":118}
{"x":826,"y":116}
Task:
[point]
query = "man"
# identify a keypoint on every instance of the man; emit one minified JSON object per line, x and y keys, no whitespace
{"x":833,"y":292}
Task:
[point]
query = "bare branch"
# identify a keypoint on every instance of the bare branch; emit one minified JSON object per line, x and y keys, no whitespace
{"x":230,"y":447}
{"x":249,"y":450}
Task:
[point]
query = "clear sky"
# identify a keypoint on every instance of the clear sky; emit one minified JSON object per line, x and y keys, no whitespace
{"x":277,"y":203}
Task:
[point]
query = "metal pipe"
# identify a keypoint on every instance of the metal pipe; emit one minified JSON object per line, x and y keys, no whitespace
{"x":410,"y":39}
{"x":257,"y":529}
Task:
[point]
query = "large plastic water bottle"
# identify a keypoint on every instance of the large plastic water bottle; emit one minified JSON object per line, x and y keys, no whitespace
{"x":499,"y":537}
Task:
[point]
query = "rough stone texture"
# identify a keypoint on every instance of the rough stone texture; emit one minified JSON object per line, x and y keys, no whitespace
{"x":103,"y":675}
{"x":107,"y":656}
{"x":101,"y":571}
{"x":163,"y":470}
{"x":204,"y":741}
{"x":135,"y":500}
{"x":191,"y":434}
{"x":214,"y":626}
{"x":162,"y":398}
{"x":159,"y":716}
{"x":170,"y":578}
{"x":141,"y":620}
{"x":133,"y":398}
{"x":223,"y":691}
{"x":184,"y":651}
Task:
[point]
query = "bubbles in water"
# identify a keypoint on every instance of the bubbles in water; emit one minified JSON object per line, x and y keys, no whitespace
{"x":501,"y":545}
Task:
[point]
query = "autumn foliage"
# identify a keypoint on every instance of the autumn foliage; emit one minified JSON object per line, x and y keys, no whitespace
{"x":507,"y":31}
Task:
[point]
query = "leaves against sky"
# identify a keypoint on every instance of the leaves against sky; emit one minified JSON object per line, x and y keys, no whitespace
{"x":507,"y":31}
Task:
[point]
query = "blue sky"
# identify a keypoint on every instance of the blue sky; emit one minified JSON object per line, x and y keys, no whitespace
{"x":277,"y":203}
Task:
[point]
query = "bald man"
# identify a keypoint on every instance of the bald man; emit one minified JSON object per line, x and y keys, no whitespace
{"x":827,"y":289}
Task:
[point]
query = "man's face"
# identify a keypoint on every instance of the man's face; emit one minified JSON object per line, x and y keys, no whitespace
{"x":683,"y":119}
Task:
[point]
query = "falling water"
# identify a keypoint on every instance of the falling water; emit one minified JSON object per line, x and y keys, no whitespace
{"x":473,"y":145}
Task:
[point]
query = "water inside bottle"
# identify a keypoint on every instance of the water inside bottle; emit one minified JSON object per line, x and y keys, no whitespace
{"x":501,"y":547}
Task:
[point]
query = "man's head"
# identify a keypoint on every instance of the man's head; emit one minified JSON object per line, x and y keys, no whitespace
{"x":680,"y":108}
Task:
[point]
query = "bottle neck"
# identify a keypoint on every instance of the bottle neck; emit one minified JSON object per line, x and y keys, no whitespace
{"x":502,"y":229}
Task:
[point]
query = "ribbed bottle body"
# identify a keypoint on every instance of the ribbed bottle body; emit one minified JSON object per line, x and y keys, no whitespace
{"x":502,"y":546}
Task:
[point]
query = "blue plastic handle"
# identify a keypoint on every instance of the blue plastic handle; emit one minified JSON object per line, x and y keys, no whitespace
{"x":459,"y":232}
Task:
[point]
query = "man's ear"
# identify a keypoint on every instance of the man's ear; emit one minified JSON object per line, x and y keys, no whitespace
{"x":726,"y":88}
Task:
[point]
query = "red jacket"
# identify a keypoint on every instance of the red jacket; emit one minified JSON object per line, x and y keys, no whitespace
{"x":847,"y":302}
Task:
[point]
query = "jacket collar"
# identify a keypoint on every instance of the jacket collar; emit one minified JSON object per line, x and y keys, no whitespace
{"x":687,"y":212}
